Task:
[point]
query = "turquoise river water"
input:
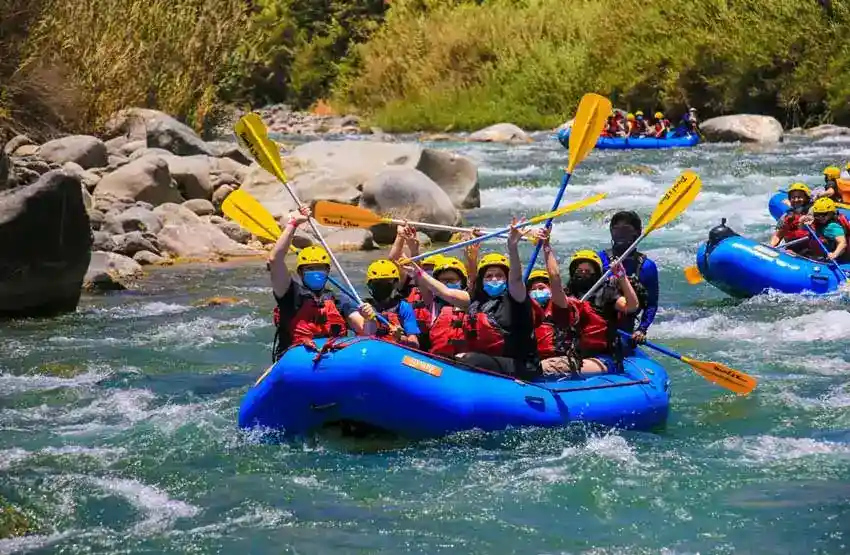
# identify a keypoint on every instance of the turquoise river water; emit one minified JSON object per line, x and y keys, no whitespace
{"x":119,"y":422}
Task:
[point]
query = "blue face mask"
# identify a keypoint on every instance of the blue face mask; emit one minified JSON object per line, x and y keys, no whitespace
{"x":455,"y":285}
{"x":542,"y":296}
{"x":315,"y":280}
{"x":495,"y":288}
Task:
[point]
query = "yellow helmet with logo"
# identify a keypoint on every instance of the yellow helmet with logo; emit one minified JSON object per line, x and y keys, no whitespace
{"x":832,"y":172}
{"x":823,"y":205}
{"x":538,"y":274}
{"x":639,"y":113}
{"x":382,"y":269}
{"x":493,"y":259}
{"x":588,"y":255}
{"x":312,"y":255}
{"x":800,"y":187}
{"x":451,"y":263}
{"x":630,"y":116}
{"x":659,"y":115}
{"x":432,"y":260}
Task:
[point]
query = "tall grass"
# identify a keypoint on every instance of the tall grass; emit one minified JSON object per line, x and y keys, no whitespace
{"x":466,"y":64}
{"x":167,"y":54}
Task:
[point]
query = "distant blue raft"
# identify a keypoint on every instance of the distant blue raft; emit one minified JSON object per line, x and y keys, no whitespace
{"x":744,"y":268}
{"x":414,"y":395}
{"x":645,"y":143}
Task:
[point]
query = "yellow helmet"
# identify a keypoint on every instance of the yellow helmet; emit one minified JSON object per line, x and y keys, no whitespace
{"x":630,"y":116}
{"x":832,"y":172}
{"x":639,"y":113}
{"x":823,"y":205}
{"x":451,"y":263}
{"x":800,"y":187}
{"x":586,"y":254}
{"x":659,"y":115}
{"x":382,"y":269}
{"x":432,"y":260}
{"x":312,"y":255}
{"x":538,"y":274}
{"x":493,"y":259}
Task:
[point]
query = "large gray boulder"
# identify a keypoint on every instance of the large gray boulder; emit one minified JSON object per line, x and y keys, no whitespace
{"x":45,"y":246}
{"x":827,"y":130}
{"x":351,"y":240}
{"x":110,"y":271}
{"x":184,"y":234}
{"x":192,"y":174}
{"x":146,"y":179}
{"x":129,"y":244}
{"x":5,"y":168}
{"x":455,"y":174}
{"x":88,"y":152}
{"x":406,"y":193}
{"x":224,"y":149}
{"x":159,"y":130}
{"x":135,"y":218}
{"x":321,"y":168}
{"x":500,"y":133}
{"x":746,"y":128}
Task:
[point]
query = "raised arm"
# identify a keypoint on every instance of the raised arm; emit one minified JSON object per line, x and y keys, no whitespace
{"x":559,"y":296}
{"x":628,"y":303}
{"x":430,"y":286}
{"x":516,"y":286}
{"x":280,"y":276}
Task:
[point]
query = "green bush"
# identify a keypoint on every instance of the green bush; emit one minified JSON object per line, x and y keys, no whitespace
{"x":466,"y":64}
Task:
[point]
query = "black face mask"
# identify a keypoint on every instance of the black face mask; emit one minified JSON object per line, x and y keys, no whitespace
{"x":581,"y":283}
{"x":381,"y":290}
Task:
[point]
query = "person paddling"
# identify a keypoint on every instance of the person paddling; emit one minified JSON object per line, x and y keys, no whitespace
{"x":382,"y":279}
{"x":830,"y":227}
{"x":625,"y":228}
{"x":306,"y":309}
{"x":613,"y":304}
{"x":790,"y":226}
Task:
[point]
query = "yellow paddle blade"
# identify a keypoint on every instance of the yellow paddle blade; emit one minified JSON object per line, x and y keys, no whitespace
{"x":252,"y":135}
{"x":677,"y":198}
{"x":592,"y":112}
{"x":247,"y":211}
{"x":723,"y":376}
{"x":336,"y":214}
{"x":692,"y":275}
{"x":568,"y":208}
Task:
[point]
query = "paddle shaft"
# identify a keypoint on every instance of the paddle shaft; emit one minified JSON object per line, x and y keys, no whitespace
{"x":613,"y":263}
{"x":654,"y":347}
{"x":438,"y":227}
{"x":472,"y":241}
{"x":530,"y":266}
{"x":832,"y":262}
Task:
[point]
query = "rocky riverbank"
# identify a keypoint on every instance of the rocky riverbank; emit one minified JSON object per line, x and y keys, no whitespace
{"x":90,"y":212}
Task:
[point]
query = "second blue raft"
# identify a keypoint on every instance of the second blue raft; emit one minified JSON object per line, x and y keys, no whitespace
{"x":369,"y":382}
{"x":743,"y":268}
{"x":637,"y":143}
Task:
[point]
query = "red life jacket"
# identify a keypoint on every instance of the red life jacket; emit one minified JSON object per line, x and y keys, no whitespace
{"x":792,"y":228}
{"x":446,"y":333}
{"x":420,"y":309}
{"x":315,"y":320}
{"x":613,"y":128}
{"x":391,"y":314}
{"x":544,"y":329}
{"x":483,"y":334}
{"x":593,"y":329}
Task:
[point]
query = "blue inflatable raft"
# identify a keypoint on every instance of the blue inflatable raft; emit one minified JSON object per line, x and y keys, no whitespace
{"x":779,"y":204}
{"x":743,"y":268}
{"x":414,"y":395}
{"x":645,"y":143}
